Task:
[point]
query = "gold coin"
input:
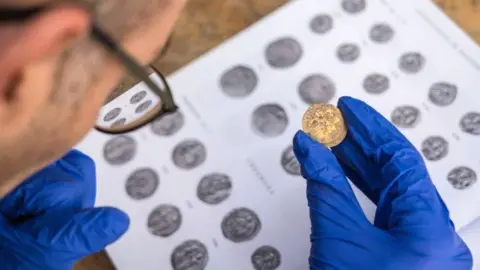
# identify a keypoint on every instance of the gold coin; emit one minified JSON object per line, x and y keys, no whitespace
{"x":325,"y":123}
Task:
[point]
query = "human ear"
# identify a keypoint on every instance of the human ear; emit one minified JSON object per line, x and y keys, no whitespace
{"x":28,"y":56}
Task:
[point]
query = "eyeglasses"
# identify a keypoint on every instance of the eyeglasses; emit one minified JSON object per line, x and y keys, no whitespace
{"x":145,"y":106}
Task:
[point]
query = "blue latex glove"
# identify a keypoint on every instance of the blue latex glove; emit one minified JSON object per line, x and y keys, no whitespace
{"x":49,"y":222}
{"x":412,"y":228}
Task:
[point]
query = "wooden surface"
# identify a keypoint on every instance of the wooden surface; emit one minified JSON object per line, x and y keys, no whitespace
{"x":206,"y":23}
{"x":465,"y":13}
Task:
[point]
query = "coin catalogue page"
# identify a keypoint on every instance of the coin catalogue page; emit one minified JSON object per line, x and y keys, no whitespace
{"x":216,"y":185}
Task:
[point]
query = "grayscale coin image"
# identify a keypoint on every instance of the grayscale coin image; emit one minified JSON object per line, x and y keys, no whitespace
{"x":214,"y":188}
{"x":405,"y":116}
{"x":112,"y":114}
{"x":317,"y":88}
{"x":381,"y":33}
{"x":189,"y":154}
{"x":144,"y":106}
{"x":443,"y":93}
{"x":269,"y":120}
{"x":376,"y":83}
{"x":168,"y":124}
{"x":348,"y":52}
{"x":138,"y":97}
{"x":266,"y":258}
{"x":354,"y":6}
{"x":462,"y":177}
{"x":470,"y":123}
{"x":164,"y":220}
{"x":289,"y":162}
{"x":240,"y":225}
{"x":238,"y":82}
{"x":189,"y":255}
{"x":142,"y":183}
{"x":119,"y":150}
{"x":434,"y":148}
{"x":321,"y":24}
{"x":283,"y":53}
{"x":412,"y":62}
{"x":118,"y":123}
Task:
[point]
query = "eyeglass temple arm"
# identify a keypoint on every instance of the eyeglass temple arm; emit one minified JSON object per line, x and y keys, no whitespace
{"x":11,"y":14}
{"x":135,"y":68}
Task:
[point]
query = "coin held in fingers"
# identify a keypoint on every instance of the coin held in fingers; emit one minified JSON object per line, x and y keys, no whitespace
{"x":325,"y":123}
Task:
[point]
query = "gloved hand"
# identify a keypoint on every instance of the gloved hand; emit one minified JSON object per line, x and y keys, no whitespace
{"x":412,"y":228}
{"x":49,"y":223}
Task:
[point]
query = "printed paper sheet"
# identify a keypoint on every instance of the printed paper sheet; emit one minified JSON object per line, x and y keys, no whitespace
{"x":217,"y":185}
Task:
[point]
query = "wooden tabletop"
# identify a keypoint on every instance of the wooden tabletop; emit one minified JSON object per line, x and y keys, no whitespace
{"x":206,"y":23}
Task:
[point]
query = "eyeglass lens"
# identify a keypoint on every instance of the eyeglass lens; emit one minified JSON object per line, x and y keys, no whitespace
{"x":132,"y":109}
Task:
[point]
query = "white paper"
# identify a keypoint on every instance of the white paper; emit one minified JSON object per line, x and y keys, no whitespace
{"x":223,"y":125}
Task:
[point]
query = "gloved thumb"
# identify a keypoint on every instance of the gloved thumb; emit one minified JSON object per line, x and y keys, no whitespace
{"x":332,"y":202}
{"x":79,"y":234}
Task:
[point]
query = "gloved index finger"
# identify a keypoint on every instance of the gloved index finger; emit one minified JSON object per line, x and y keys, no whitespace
{"x":368,"y":133}
{"x":76,"y":162}
{"x":67,"y":183}
{"x":77,"y":233}
{"x":368,"y":127}
{"x":385,"y":163}
{"x":48,"y":189}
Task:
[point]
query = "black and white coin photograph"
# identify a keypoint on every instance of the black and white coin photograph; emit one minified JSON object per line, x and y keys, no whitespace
{"x":381,"y":33}
{"x":442,"y":93}
{"x":214,"y":188}
{"x":189,"y":255}
{"x":462,"y":177}
{"x":119,"y":123}
{"x":239,"y":81}
{"x":143,"y":107}
{"x":241,"y":225}
{"x":189,"y":154}
{"x":266,"y":258}
{"x":269,"y":120}
{"x":142,"y":183}
{"x":321,"y":24}
{"x":376,"y":83}
{"x":289,"y":162}
{"x":119,"y":150}
{"x":164,"y":220}
{"x":317,"y":88}
{"x":354,"y":6}
{"x":470,"y":123}
{"x":111,"y":115}
{"x":283,"y":53}
{"x":434,"y":148}
{"x":169,"y":124}
{"x":348,"y":52}
{"x":405,"y":116}
{"x":412,"y":62}
{"x":138,"y":97}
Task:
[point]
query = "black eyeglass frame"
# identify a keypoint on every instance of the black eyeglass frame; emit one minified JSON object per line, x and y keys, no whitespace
{"x":168,"y":105}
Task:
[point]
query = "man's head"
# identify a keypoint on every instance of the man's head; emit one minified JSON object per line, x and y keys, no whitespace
{"x":55,"y":78}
